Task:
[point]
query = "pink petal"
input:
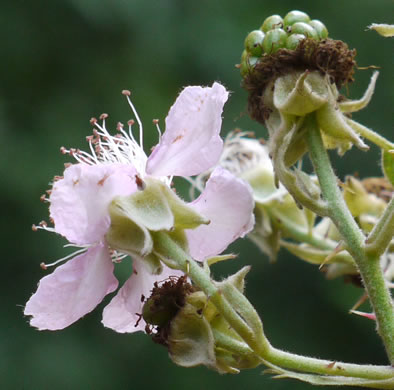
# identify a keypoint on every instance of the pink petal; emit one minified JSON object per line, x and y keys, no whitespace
{"x":72,"y":290}
{"x":191,"y":143}
{"x":228,"y":202}
{"x":79,"y":201}
{"x":122,"y":313}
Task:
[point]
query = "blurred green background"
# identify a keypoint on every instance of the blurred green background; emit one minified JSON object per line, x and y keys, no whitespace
{"x":63,"y":61}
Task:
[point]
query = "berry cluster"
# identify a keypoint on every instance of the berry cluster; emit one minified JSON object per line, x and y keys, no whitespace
{"x":280,"y":33}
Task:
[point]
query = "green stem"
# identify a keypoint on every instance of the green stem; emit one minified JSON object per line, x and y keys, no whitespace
{"x":368,"y":265}
{"x":263,"y":349}
{"x":326,"y":367}
{"x":382,"y":233}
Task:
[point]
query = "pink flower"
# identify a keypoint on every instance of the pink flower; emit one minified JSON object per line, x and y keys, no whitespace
{"x":116,"y":166}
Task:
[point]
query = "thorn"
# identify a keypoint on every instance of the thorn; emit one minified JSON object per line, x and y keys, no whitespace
{"x":339,"y":248}
{"x":370,"y":316}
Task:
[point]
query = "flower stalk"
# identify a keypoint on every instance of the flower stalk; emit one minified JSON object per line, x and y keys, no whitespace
{"x":367,"y":263}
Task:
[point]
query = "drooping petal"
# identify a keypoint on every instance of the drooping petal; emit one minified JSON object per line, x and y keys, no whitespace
{"x":191,"y":142}
{"x":79,"y":201}
{"x":228,"y":203}
{"x":72,"y":290}
{"x":122,"y":314}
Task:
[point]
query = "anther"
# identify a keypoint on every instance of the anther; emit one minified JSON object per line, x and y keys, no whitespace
{"x":155,"y":121}
{"x":43,"y":224}
{"x":119,"y":126}
{"x":131,"y":122}
{"x":34,"y":228}
{"x":43,"y":266}
{"x":43,"y":198}
{"x":140,"y":183}
{"x":63,"y":150}
{"x":103,"y":116}
{"x":93,"y":121}
{"x":126,"y":92}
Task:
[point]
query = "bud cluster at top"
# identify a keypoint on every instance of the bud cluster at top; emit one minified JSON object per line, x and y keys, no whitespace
{"x":280,"y":33}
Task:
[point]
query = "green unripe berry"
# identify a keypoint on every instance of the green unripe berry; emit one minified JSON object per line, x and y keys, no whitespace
{"x":320,"y":28}
{"x":272,"y":22}
{"x":274,"y":40}
{"x":303,"y":28}
{"x":293,"y":40}
{"x":253,"y":43}
{"x":247,"y":63}
{"x":158,"y":314}
{"x":294,"y":17}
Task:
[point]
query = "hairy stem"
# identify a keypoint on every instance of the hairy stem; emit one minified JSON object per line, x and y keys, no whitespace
{"x":368,"y":264}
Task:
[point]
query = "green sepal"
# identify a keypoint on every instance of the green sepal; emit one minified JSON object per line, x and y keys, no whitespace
{"x":300,"y":93}
{"x":238,"y":279}
{"x":191,"y":342}
{"x":185,"y":217}
{"x":359,"y":201}
{"x":125,"y":234}
{"x":388,"y":166}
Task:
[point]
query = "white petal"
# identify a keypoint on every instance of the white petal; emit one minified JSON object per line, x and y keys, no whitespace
{"x":228,"y":203}
{"x":123,"y":312}
{"x":79,"y":201}
{"x":191,"y":143}
{"x":72,"y":290}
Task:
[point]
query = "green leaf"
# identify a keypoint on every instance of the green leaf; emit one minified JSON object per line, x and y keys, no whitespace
{"x":388,"y":165}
